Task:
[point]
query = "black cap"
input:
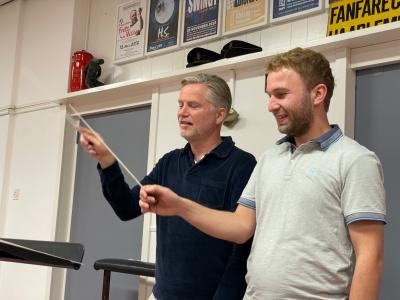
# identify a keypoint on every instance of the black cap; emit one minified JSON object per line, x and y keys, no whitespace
{"x":236,"y":48}
{"x":198,"y":56}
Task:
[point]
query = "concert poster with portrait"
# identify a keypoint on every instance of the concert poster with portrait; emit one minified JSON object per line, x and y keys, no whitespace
{"x":130,"y":31}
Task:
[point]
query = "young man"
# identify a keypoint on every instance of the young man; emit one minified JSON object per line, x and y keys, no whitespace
{"x":315,"y":201}
{"x":209,"y":169}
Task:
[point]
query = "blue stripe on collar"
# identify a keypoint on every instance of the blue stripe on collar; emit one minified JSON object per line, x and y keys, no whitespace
{"x":329,"y":138}
{"x":324,"y":141}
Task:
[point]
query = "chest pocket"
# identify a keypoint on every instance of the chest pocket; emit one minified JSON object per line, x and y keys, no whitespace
{"x":212,"y":193}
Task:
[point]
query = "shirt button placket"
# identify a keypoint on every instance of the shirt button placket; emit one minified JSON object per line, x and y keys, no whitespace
{"x":289,"y":170}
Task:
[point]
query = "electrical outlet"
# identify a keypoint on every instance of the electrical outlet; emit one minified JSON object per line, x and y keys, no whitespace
{"x":16,"y":194}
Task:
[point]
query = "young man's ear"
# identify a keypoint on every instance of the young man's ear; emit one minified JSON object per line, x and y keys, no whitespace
{"x":318,"y":94}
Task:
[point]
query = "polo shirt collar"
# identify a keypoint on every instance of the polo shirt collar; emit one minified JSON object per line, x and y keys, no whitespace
{"x":324,"y":141}
{"x":221,"y":151}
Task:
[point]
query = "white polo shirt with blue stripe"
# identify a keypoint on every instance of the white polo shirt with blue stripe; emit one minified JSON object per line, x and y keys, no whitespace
{"x":304,"y":199}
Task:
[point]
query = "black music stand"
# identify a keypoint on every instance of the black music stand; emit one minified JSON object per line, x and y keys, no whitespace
{"x":44,"y":253}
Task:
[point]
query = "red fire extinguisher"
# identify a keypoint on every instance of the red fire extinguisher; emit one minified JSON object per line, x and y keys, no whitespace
{"x":79,"y":61}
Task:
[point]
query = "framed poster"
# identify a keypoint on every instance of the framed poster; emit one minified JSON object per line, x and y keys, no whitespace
{"x":200,"y":21}
{"x":348,"y":15}
{"x":282,"y":10}
{"x":130,"y":32}
{"x":239,"y":15}
{"x":163,"y":27}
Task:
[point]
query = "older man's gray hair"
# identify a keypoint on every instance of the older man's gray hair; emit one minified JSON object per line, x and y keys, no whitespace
{"x":218,"y":92}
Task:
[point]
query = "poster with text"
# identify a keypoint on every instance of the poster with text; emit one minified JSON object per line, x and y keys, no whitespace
{"x":163,"y":29}
{"x":201,"y":21}
{"x":241,"y":15}
{"x":351,"y":15}
{"x":130,"y":33}
{"x":282,"y":10}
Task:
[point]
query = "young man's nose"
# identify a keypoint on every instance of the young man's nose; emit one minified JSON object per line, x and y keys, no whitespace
{"x":272,"y":104}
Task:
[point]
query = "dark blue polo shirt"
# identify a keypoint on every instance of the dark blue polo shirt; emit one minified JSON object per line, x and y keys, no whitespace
{"x":190,"y":264}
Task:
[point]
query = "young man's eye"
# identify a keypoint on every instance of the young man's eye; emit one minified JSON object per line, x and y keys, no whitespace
{"x":280,"y":95}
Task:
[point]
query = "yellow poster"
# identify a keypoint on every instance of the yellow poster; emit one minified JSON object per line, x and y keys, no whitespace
{"x":350,"y":15}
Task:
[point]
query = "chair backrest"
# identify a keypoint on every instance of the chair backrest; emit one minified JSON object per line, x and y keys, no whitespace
{"x":128,"y":266}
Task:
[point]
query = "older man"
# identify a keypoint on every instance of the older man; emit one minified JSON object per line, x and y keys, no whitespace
{"x":210,"y":169}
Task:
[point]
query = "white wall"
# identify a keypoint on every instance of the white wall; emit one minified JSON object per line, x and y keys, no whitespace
{"x":255,"y":122}
{"x":35,"y":156}
{"x":35,"y":50}
{"x":34,"y":58}
{"x":9,"y":30}
{"x":9,"y":20}
{"x":43,"y":50}
{"x":32,"y":198}
{"x":4,"y":129}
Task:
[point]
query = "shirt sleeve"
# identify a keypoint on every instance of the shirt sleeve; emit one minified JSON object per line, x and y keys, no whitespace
{"x":363,"y":194}
{"x":123,"y":199}
{"x":248,"y":197}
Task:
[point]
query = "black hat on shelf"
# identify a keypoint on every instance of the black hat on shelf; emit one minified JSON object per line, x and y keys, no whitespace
{"x":236,"y":48}
{"x":198,"y":56}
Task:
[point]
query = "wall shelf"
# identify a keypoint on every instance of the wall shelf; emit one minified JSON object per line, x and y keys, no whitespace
{"x":125,"y":90}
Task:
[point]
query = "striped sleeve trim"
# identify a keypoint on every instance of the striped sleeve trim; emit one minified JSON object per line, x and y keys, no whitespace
{"x":248,"y":203}
{"x":365,"y":216}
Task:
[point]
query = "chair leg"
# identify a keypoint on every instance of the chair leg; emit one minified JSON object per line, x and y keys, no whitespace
{"x":106,"y":285}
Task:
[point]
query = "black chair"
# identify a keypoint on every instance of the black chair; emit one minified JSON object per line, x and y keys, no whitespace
{"x":127,"y":266}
